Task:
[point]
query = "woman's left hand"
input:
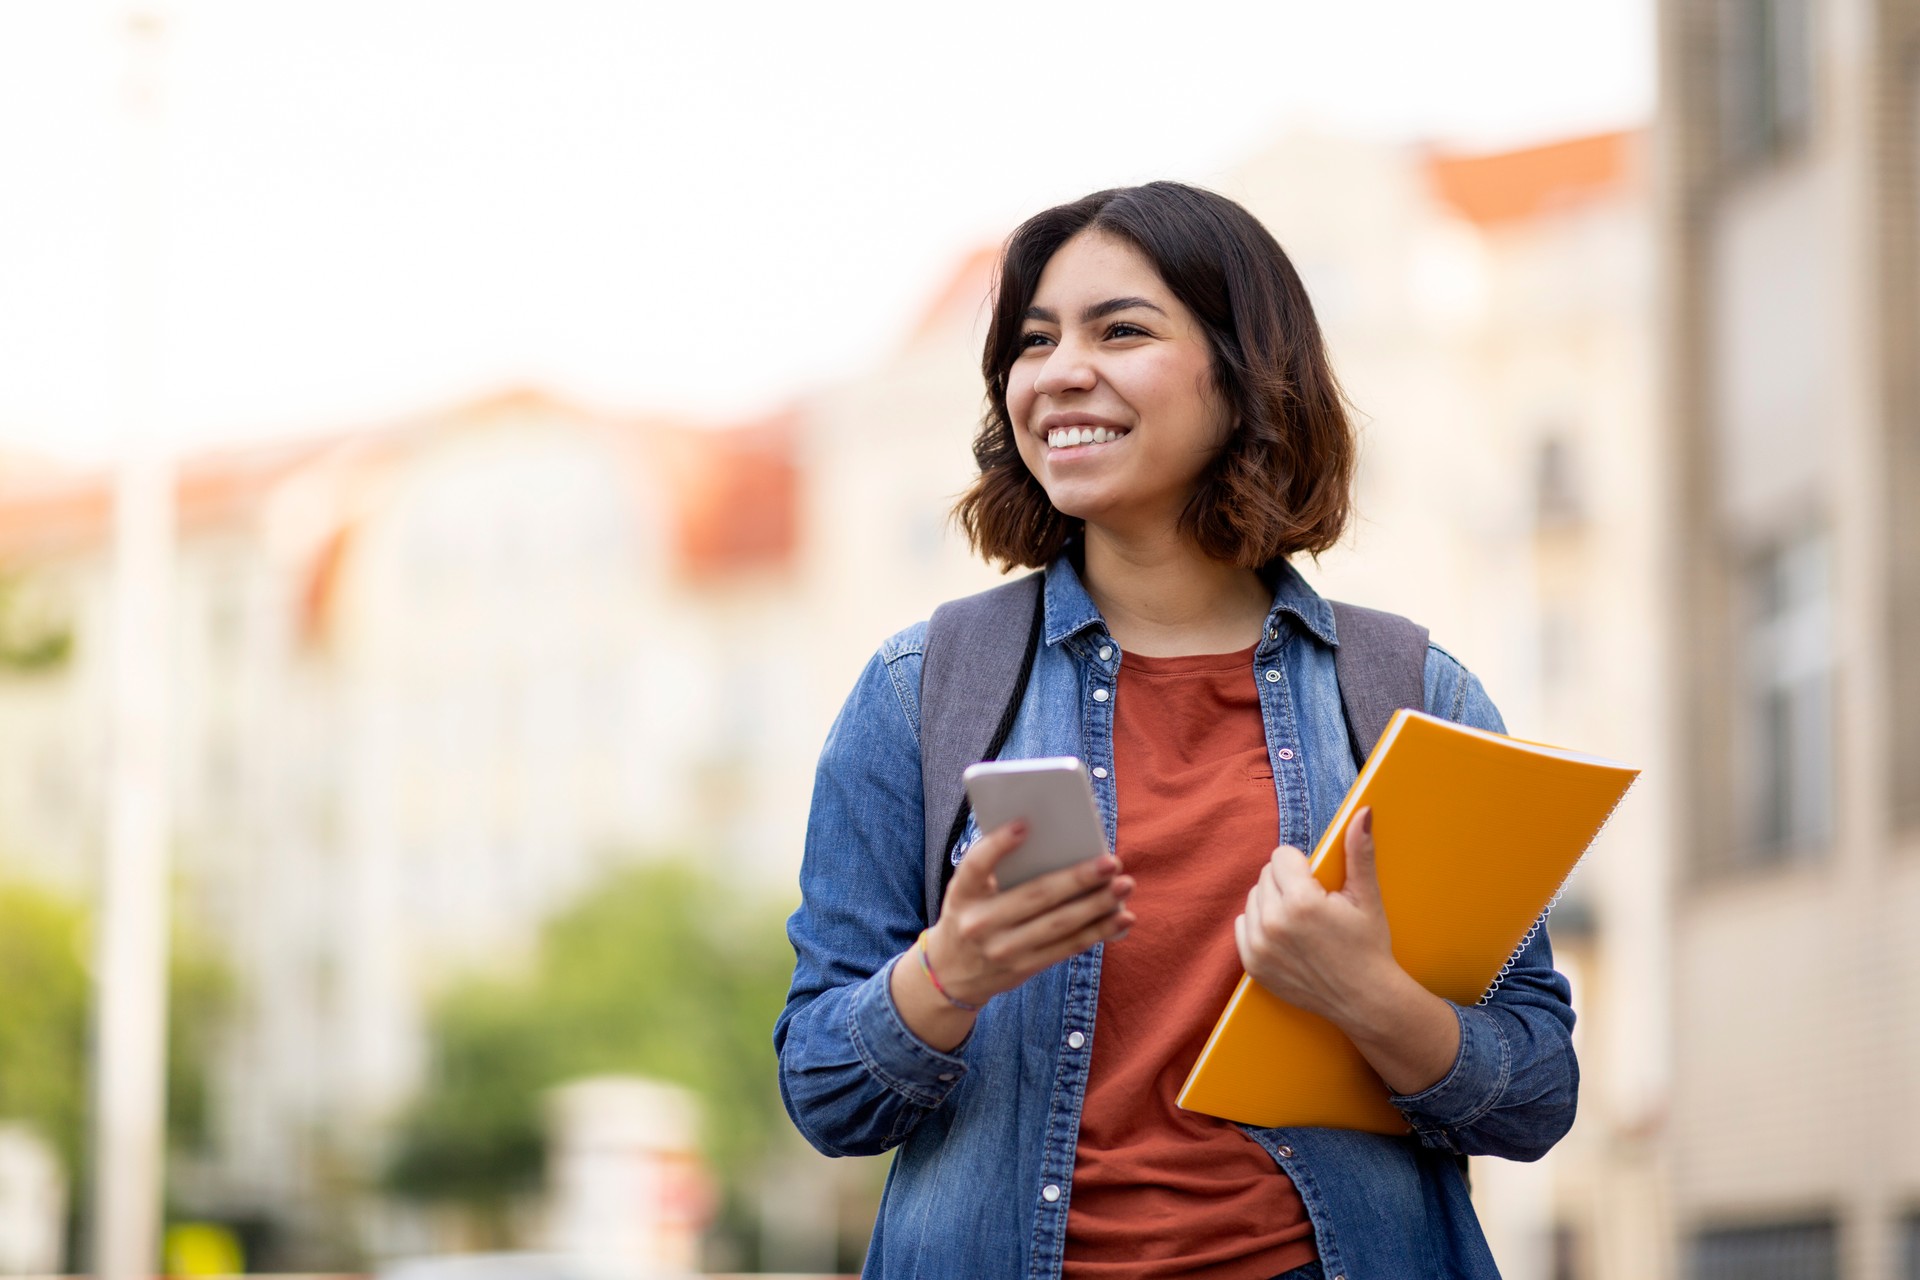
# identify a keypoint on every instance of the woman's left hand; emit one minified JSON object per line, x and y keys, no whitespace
{"x":1330,"y":952}
{"x":1313,"y":947}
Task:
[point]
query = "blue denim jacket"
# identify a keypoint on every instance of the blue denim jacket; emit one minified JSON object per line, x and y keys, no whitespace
{"x":986,"y":1134}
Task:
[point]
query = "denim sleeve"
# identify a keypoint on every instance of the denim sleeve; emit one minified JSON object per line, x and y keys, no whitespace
{"x":855,"y":1080}
{"x":1513,"y":1087}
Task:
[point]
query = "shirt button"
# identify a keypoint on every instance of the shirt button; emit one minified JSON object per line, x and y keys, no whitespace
{"x":1286,"y":1153}
{"x":1099,"y":695}
{"x":1099,"y":771}
{"x":1273,"y":677}
{"x":1075,"y":1040}
{"x":1286,"y":753}
{"x":1050,"y":1193}
{"x":1273,"y":633}
{"x":1106,"y":651}
{"x":946,"y":1077}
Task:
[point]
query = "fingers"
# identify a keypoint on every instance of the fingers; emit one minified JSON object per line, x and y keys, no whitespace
{"x":996,"y":940}
{"x":1363,"y":879}
{"x":1110,"y":929}
{"x":1044,"y":931}
{"x":1043,"y":893}
{"x":1287,"y":869}
{"x":974,"y":875}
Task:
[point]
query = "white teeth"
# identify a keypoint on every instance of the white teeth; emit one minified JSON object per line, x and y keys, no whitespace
{"x":1071,"y":437}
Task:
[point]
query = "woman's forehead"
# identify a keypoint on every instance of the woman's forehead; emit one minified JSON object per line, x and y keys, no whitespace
{"x":1096,"y":262}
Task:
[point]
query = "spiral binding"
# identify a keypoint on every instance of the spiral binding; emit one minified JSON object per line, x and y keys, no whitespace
{"x":1540,"y":922}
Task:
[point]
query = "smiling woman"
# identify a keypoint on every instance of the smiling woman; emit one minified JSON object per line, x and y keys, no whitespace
{"x":1170,"y":268}
{"x":1163,"y":433}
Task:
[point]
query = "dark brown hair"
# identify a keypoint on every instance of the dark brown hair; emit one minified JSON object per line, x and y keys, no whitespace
{"x":1283,"y":481}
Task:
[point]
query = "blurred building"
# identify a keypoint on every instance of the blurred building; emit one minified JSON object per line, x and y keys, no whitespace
{"x":629,"y":1194}
{"x":33,"y":1203}
{"x":1491,"y":317}
{"x":429,"y":678}
{"x":1789,"y":230}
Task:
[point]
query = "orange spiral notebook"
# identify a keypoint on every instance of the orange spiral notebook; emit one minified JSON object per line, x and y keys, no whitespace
{"x":1474,"y":834}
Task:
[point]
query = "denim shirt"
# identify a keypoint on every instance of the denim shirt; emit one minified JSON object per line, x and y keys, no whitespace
{"x":986,"y":1134}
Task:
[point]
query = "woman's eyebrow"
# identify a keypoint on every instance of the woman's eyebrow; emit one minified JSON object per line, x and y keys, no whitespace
{"x":1111,"y":305}
{"x":1096,"y":311}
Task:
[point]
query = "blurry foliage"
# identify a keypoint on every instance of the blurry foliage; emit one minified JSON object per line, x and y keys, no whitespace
{"x":45,"y":1005}
{"x":659,"y":971}
{"x":43,"y":1016}
{"x":32,"y":638}
{"x":200,"y":995}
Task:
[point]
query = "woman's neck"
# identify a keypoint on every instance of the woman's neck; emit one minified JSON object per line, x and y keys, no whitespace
{"x":1163,"y":597}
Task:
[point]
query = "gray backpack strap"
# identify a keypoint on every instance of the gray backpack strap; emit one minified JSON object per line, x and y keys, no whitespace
{"x":973,"y":672}
{"x":1381,"y":663}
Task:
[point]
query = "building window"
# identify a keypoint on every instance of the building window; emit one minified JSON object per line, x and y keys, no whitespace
{"x":1560,"y":649}
{"x":1766,"y":78}
{"x":1557,"y":499}
{"x":1780,"y":1251}
{"x":1786,"y":775}
{"x":1568,"y":1256}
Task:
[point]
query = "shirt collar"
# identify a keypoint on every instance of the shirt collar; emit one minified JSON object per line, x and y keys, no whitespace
{"x":1291,"y":594}
{"x":1070,"y":610}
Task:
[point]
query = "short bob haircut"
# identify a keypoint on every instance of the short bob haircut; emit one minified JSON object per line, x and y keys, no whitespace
{"x":1283,"y":482}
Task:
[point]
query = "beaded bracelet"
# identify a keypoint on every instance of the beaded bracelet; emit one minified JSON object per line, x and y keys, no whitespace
{"x":926,"y":963}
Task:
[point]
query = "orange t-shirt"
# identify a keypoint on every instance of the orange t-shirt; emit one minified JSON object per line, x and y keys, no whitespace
{"x":1158,"y":1191}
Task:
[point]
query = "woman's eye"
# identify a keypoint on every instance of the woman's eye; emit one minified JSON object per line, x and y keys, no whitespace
{"x":1028,"y":340}
{"x":1121,"y":329}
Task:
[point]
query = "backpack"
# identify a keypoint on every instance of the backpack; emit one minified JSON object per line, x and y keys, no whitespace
{"x":979,"y":656}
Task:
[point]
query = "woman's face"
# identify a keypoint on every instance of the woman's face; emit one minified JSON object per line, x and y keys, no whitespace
{"x":1112,"y":397}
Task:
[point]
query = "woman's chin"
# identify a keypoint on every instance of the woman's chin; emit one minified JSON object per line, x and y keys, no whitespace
{"x":1091,"y":508}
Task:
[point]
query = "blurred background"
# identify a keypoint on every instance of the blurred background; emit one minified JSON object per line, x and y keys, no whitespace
{"x":455,"y":457}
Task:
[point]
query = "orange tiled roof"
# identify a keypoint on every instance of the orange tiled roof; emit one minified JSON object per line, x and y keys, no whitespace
{"x":734,"y":487}
{"x":965,"y":294}
{"x":1509,"y":186}
{"x":739,"y":498}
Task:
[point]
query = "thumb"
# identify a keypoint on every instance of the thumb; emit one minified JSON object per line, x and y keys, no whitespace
{"x":976,"y":868}
{"x":1363,"y":880}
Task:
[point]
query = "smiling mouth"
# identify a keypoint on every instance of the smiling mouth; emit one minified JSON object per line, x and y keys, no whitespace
{"x":1073,"y":437}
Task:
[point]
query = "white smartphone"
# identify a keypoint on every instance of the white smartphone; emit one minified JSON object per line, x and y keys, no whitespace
{"x":1054,"y":797}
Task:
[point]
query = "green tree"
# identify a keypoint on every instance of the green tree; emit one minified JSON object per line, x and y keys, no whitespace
{"x":658,"y":971}
{"x":43,"y":1016}
{"x":35,"y":636}
{"x":45,"y":1000}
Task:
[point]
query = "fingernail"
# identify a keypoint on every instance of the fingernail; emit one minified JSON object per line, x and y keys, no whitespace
{"x":1017,"y":828}
{"x":1366,"y":822}
{"x":1108,"y":864}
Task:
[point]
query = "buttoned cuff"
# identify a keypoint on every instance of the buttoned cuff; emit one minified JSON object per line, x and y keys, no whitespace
{"x":1470,"y":1090}
{"x":900,"y":1059}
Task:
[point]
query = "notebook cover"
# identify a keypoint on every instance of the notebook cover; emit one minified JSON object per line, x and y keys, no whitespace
{"x":1474,"y":833}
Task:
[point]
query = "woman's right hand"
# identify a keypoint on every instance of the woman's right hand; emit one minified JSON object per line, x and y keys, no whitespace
{"x":987,"y":941}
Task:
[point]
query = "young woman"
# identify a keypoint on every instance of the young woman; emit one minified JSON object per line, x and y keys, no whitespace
{"x":1163,"y":433}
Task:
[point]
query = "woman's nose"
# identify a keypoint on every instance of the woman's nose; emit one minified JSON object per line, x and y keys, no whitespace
{"x":1067,"y":369}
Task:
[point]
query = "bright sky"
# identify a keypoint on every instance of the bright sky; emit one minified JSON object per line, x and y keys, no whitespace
{"x":365,"y":207}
